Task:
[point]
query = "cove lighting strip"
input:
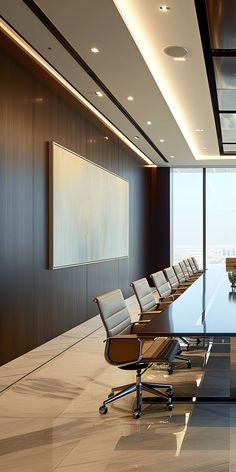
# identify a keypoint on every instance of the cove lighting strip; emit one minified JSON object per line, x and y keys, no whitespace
{"x":42,"y":62}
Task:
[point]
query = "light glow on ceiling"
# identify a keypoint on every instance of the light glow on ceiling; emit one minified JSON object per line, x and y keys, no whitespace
{"x":179,"y":59}
{"x":46,"y":66}
{"x":130,"y":98}
{"x":95,"y":50}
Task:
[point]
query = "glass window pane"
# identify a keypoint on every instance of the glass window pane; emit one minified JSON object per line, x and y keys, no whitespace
{"x":187,"y":214}
{"x":220,"y":211}
{"x":228,"y":127}
{"x":229,"y":148}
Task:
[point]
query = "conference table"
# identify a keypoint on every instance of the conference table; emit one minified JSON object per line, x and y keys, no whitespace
{"x":206,"y":309}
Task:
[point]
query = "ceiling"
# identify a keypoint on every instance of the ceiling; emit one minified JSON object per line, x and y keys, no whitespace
{"x":131,"y":36}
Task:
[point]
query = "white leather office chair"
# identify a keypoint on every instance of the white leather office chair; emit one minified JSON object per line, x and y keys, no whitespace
{"x":127,"y":349}
{"x":147,"y":302}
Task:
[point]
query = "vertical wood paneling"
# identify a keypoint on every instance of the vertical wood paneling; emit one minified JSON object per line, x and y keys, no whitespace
{"x":158,"y":218}
{"x":37,"y":303}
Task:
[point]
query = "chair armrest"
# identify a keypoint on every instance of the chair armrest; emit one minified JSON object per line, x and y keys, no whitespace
{"x":177,"y":289}
{"x":123,"y":350}
{"x":138,"y":325}
{"x":149,"y":315}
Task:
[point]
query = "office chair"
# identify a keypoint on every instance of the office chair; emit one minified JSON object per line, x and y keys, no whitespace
{"x":147,"y":303}
{"x":173,"y":280}
{"x":166,"y":292}
{"x":180,"y":276}
{"x":175,"y":283}
{"x":190,"y":271}
{"x":197,"y":266}
{"x":193,"y":267}
{"x":186,"y":273}
{"x":127,"y":349}
{"x":163,"y":287}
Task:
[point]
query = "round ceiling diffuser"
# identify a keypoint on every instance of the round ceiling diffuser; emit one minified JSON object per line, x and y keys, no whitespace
{"x":176,"y":51}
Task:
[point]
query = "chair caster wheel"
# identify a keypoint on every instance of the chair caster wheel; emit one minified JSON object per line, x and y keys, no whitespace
{"x":170,"y":406}
{"x":103,"y":410}
{"x":170,"y":370}
{"x":136,"y":414}
{"x":170,"y":392}
{"x":189,"y":365}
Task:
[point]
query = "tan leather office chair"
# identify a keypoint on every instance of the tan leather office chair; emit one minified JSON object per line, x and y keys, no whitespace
{"x":147,"y":305}
{"x":127,"y":349}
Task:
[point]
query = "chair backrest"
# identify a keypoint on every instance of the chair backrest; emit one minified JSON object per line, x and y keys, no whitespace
{"x":184,"y":270}
{"x":162,"y":285}
{"x":144,"y":294}
{"x":192,"y":265}
{"x":195,"y":263}
{"x":179,"y":273}
{"x":189,"y":269}
{"x":170,"y":275}
{"x":114,"y":313}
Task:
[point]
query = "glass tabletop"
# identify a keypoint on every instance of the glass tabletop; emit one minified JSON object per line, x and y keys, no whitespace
{"x":206,"y":308}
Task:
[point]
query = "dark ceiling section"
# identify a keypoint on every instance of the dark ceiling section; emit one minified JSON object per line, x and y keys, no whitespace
{"x":221,"y":19}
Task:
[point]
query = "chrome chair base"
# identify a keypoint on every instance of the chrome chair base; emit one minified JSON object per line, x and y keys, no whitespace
{"x":139,"y":387}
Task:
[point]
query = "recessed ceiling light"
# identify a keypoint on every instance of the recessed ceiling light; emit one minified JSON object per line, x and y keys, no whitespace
{"x":204,"y":147}
{"x":95,"y":50}
{"x":164,"y":8}
{"x":149,"y":122}
{"x":162,"y":140}
{"x":172,"y":157}
{"x":199,"y":130}
{"x":130,"y":98}
{"x":99,"y":94}
{"x":136,"y":137}
{"x":49,"y":48}
{"x":106,"y":137}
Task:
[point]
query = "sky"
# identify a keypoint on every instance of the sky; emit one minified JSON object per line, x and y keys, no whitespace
{"x":220,"y":210}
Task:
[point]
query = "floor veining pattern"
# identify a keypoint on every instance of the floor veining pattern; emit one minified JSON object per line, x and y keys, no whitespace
{"x":50,"y":422}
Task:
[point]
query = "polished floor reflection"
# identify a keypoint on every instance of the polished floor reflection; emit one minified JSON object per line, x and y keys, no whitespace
{"x":50,"y":422}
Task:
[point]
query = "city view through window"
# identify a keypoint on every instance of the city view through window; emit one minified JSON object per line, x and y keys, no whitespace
{"x":187,"y":215}
{"x":220,"y":215}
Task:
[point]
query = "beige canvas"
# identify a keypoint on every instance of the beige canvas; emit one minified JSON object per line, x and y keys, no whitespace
{"x":89,"y":211}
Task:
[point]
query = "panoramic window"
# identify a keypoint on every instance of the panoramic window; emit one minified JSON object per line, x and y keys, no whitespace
{"x":220,"y":215}
{"x":187,"y":214}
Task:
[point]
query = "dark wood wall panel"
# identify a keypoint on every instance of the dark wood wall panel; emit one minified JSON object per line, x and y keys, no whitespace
{"x":37,"y":303}
{"x":158,"y":218}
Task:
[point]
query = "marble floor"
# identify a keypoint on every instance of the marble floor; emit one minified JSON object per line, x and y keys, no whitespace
{"x":50,"y":422}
